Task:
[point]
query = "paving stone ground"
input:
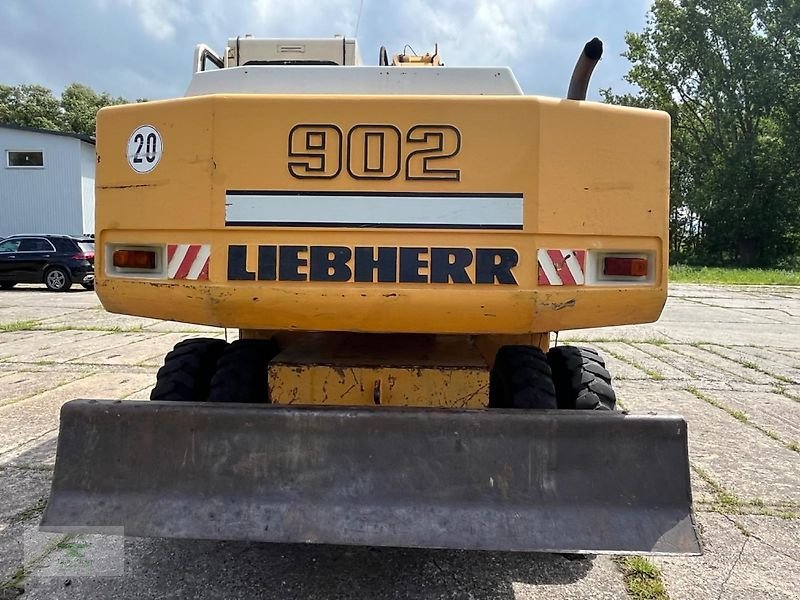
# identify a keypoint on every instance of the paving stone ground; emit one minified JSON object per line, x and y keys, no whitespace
{"x":726,"y":358}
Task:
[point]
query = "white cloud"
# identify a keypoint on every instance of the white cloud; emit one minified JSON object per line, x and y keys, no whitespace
{"x":482,"y":31}
{"x":158,"y":17}
{"x":296,"y":18}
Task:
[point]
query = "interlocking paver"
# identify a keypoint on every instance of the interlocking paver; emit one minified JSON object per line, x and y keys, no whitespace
{"x":741,"y":458}
{"x":736,"y":565}
{"x":16,"y":385}
{"x":35,"y":416}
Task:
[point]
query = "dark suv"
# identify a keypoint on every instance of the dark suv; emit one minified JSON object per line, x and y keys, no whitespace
{"x":58,"y":261}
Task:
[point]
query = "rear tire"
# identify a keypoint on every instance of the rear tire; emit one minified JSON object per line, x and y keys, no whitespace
{"x":241,"y":374}
{"x":521,"y":378}
{"x":187,"y":370}
{"x":57,"y":279}
{"x":581,"y":379}
{"x":7,"y":285}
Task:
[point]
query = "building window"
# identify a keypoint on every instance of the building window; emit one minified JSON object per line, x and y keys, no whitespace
{"x":25,"y":158}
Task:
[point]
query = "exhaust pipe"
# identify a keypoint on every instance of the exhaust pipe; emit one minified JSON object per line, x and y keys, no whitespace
{"x":587,"y":61}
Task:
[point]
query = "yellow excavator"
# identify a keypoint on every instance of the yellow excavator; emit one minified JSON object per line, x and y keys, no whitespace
{"x":397,"y":245}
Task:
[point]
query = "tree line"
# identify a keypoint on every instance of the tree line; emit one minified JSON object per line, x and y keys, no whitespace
{"x":728,"y":73}
{"x":74,"y":111}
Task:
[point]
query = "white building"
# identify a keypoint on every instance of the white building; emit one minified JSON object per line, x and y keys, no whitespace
{"x":46,"y":181}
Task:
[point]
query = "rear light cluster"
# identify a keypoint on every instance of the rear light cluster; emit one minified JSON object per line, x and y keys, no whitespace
{"x":83,"y":256}
{"x":134,"y":259}
{"x":620,"y":268}
{"x":138,"y":261}
{"x":624,"y":266}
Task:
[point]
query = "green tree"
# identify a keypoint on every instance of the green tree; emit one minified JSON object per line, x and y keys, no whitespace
{"x":30,"y":106}
{"x":36,"y":106}
{"x":81,"y":103}
{"x":727,"y":72}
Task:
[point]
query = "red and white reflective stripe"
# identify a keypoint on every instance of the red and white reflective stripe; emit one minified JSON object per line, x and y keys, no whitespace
{"x":561,"y":267}
{"x":188,"y":261}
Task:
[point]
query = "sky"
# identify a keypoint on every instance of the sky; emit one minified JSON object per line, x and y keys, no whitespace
{"x":143,"y":48}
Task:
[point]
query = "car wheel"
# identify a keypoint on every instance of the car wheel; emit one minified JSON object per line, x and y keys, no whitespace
{"x":7,"y":285}
{"x":57,"y":279}
{"x":88,"y":286}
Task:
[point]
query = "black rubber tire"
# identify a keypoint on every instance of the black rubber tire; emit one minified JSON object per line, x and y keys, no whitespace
{"x":7,"y":285}
{"x":581,"y":379}
{"x":241,"y":374}
{"x":521,"y":378}
{"x":65,"y":279}
{"x":187,"y":370}
{"x":88,"y":286}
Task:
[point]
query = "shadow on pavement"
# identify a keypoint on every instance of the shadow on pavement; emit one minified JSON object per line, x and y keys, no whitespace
{"x":164,"y":568}
{"x":201,"y":569}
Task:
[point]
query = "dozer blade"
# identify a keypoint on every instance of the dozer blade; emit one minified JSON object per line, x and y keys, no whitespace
{"x":564,"y":481}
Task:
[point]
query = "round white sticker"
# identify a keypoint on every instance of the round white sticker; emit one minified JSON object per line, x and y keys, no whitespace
{"x":144,"y":149}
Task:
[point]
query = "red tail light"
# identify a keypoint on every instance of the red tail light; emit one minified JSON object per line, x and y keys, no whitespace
{"x":83,"y":256}
{"x":617,"y":266}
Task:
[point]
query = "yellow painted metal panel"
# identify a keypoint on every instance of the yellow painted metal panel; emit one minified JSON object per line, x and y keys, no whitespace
{"x":443,"y":387}
{"x":392,"y":370}
{"x":593,"y":177}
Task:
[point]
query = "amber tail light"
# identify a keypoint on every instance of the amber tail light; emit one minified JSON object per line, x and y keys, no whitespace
{"x":134,"y":259}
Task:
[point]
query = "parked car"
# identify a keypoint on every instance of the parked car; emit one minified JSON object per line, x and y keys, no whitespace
{"x":58,"y":261}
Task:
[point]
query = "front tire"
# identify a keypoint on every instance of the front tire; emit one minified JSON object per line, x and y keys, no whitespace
{"x":57,"y":279}
{"x":521,"y":378}
{"x":581,"y":379}
{"x":187,"y":370}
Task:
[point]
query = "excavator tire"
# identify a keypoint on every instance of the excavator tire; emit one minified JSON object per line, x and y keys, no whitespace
{"x":187,"y":370}
{"x":581,"y":379}
{"x":521,"y":378}
{"x":241,"y":374}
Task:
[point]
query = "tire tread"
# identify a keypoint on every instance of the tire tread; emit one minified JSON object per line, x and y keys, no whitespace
{"x":521,"y":378}
{"x":581,"y":379}
{"x":241,"y":374}
{"x":187,"y":370}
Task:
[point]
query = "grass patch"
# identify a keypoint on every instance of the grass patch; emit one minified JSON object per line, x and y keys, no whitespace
{"x":655,"y":375}
{"x":107,"y":329}
{"x":727,"y":503}
{"x":747,"y":364}
{"x":642,"y":578}
{"x":18,"y":326}
{"x":724,"y":501}
{"x":741,"y":417}
{"x":656,"y":341}
{"x":687,"y":274}
{"x":736,"y":414}
{"x":14,"y":584}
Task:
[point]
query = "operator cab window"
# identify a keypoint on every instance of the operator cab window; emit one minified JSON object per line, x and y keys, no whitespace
{"x":16,"y":159}
{"x":9,"y":246}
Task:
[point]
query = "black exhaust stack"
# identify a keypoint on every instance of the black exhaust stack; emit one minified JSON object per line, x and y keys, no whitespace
{"x":587,"y":61}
